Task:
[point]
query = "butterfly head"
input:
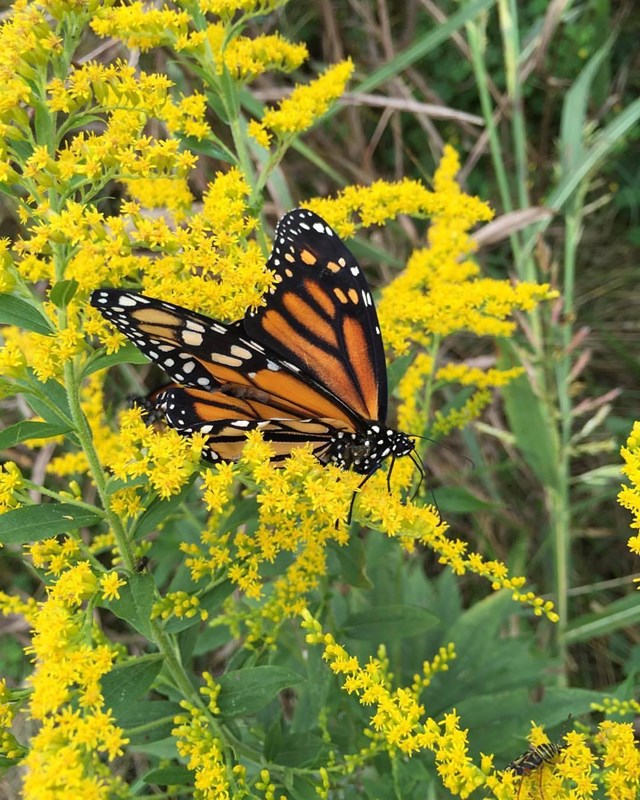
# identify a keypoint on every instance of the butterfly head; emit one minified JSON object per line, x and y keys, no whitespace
{"x":363,"y":452}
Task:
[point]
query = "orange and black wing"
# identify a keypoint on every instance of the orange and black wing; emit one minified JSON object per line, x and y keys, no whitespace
{"x":201,"y":353}
{"x":320,"y":316}
{"x":227,"y":418}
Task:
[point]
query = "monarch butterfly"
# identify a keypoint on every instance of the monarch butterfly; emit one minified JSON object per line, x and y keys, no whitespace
{"x":307,"y":366}
{"x":533,"y":759}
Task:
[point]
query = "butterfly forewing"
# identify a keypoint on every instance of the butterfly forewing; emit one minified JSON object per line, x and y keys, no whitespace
{"x":202,"y":353}
{"x":320,"y":316}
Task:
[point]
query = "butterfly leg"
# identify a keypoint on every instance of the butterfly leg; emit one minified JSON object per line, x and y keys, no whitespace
{"x":355,"y":494}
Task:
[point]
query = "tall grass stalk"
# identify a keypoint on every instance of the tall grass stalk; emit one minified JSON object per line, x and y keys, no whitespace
{"x":547,"y":396}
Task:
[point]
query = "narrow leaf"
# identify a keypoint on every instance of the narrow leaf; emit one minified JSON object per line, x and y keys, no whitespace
{"x":29,"y":429}
{"x":127,"y":354}
{"x":34,"y":523}
{"x":135,"y":603}
{"x":63,"y":292}
{"x":15,"y":311}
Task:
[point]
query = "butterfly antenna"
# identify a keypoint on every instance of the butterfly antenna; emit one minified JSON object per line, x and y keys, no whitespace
{"x":442,"y":444}
{"x":420,"y":467}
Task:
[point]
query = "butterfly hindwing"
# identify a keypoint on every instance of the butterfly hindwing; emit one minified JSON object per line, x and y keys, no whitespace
{"x":320,"y":316}
{"x":226,"y":420}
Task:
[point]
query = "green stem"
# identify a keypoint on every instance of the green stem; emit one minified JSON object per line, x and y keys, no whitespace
{"x":83,"y":431}
{"x":63,"y":498}
{"x":475,"y":37}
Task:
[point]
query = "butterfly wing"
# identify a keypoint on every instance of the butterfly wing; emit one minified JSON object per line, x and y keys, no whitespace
{"x":226,"y":419}
{"x":201,"y":353}
{"x":320,"y":317}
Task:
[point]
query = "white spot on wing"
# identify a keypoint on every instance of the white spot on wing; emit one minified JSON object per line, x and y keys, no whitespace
{"x":192,"y":338}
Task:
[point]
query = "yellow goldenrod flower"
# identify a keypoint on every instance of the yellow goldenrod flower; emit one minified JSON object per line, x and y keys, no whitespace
{"x":178,"y":604}
{"x":228,"y":8}
{"x":139,"y":25}
{"x":203,"y":753}
{"x":305,"y":105}
{"x":110,"y":583}
{"x":629,"y":496}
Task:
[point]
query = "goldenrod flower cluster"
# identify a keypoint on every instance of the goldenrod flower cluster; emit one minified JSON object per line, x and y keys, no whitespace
{"x":629,"y":496}
{"x":203,"y":753}
{"x":77,"y":737}
{"x":400,"y":722}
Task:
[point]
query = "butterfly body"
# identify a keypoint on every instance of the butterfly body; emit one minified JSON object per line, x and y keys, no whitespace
{"x":306,"y":367}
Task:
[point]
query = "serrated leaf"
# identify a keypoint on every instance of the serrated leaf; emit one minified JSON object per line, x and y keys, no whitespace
{"x":135,"y":603}
{"x":390,"y":622}
{"x":63,"y":292}
{"x":128,"y":682}
{"x":15,"y":311}
{"x":34,"y":523}
{"x":29,"y":429}
{"x":246,"y":691}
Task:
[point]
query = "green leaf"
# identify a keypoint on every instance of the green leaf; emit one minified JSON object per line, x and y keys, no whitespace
{"x":169,"y":776}
{"x":127,"y":354}
{"x":246,"y":691}
{"x":387,"y":623}
{"x":135,"y":603}
{"x":528,"y":421}
{"x":63,"y":292}
{"x":301,"y":750}
{"x":457,"y":500}
{"x":34,"y":523}
{"x":147,"y":721}
{"x":129,"y":681}
{"x":56,"y":411}
{"x":15,"y":311}
{"x":396,"y":371}
{"x":29,"y":429}
{"x":623,"y":613}
{"x":352,"y":562}
{"x":574,"y":112}
{"x":159,"y":510}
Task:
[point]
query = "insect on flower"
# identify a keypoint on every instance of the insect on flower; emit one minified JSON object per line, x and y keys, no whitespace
{"x":307,"y":366}
{"x":533,"y":760}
